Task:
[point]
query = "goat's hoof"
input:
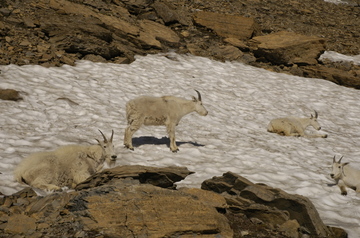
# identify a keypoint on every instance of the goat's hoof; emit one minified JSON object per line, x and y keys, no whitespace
{"x":175,"y":151}
{"x":325,"y":136}
{"x":128,"y":147}
{"x":344,"y":194}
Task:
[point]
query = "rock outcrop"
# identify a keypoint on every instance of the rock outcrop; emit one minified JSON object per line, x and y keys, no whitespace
{"x":294,"y":215}
{"x":140,"y":201}
{"x":227,"y":26}
{"x":289,"y":48}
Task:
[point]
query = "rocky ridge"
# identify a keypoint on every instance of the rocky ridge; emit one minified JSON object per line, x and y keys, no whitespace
{"x":140,"y":201}
{"x":56,"y":32}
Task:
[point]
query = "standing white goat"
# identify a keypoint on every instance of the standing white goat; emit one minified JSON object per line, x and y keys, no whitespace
{"x":293,"y":126}
{"x":345,"y":176}
{"x":66,"y":166}
{"x":156,"y":111}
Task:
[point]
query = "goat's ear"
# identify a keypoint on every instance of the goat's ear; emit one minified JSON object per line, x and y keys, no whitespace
{"x":194,"y":99}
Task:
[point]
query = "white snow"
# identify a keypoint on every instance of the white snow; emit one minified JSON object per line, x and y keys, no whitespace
{"x":68,"y":104}
{"x":337,"y":57}
{"x":338,"y":1}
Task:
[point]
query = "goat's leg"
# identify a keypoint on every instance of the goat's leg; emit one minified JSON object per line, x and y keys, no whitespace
{"x":43,"y":185}
{"x":295,"y":132}
{"x":343,"y":190}
{"x":129,"y":132}
{"x":317,"y":136}
{"x":171,"y":131}
{"x":342,"y":187}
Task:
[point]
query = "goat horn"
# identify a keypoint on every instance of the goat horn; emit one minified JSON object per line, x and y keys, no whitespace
{"x":105,"y":140}
{"x":334,"y":159}
{"x":316,"y":114}
{"x":340,"y":159}
{"x":199,"y":95}
{"x":112,"y":134}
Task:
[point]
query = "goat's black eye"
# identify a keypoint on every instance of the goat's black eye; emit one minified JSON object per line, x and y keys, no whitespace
{"x":339,"y":167}
{"x":104,"y":146}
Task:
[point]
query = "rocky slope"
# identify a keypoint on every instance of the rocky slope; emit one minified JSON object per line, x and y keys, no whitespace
{"x":139,"y":201}
{"x":55,"y":32}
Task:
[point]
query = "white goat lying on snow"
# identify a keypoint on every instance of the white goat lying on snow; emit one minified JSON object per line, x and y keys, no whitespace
{"x":293,"y":126}
{"x":66,"y":166}
{"x":345,"y":176}
{"x":156,"y":111}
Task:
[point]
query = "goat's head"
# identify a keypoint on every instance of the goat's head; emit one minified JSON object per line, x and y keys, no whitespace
{"x":108,"y":149}
{"x":199,"y":108}
{"x":337,"y":169}
{"x":313,"y":121}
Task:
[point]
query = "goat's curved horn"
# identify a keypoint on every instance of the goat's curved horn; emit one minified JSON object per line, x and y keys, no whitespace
{"x":105,"y":140}
{"x":316,"y":114}
{"x":334,"y":159}
{"x":199,"y":95}
{"x":340,"y":159}
{"x":112,"y":134}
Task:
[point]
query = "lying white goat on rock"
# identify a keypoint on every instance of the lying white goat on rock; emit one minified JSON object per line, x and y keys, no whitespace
{"x":166,"y":110}
{"x":66,"y":166}
{"x":345,"y":176}
{"x":293,"y":126}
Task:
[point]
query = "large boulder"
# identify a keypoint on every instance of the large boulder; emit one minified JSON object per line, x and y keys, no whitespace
{"x":338,"y":76}
{"x":227,"y":26}
{"x":124,"y":204}
{"x":154,"y":34}
{"x":289,"y":48}
{"x":274,"y":207}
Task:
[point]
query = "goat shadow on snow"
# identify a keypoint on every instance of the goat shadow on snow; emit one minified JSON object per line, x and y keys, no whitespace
{"x":151,"y":140}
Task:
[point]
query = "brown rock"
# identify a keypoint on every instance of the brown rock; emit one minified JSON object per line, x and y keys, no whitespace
{"x":209,"y":198}
{"x":94,"y":58}
{"x":228,"y":26}
{"x":20,"y":224}
{"x":244,"y":195}
{"x":290,"y":228}
{"x":169,"y":14}
{"x":237,"y":43}
{"x":82,"y":10}
{"x":153,"y":34}
{"x":162,"y":177}
{"x":289,"y":48}
{"x":337,"y":76}
{"x":147,"y":211}
{"x":225,"y":53}
{"x":123,"y":209}
{"x":10,"y":94}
